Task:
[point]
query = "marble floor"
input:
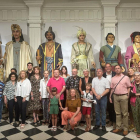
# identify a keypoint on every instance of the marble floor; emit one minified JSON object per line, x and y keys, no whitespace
{"x":39,"y":132}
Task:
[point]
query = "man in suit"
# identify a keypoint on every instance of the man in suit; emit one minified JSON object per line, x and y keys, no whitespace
{"x":110,"y":107}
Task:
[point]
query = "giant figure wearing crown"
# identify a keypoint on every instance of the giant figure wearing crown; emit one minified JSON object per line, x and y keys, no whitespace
{"x":82,"y":54}
{"x":17,"y":52}
{"x":49,"y":54}
{"x":132,"y":56}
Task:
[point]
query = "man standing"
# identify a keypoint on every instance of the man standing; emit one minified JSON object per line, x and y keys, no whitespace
{"x":17,"y":52}
{"x":59,"y":83}
{"x":111,"y":52}
{"x":49,"y":54}
{"x":73,"y":81}
{"x":100,"y":87}
{"x":121,"y":96}
{"x":30,"y":70}
{"x":110,"y":107}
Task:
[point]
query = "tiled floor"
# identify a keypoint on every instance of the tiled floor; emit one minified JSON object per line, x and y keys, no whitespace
{"x":39,"y":132}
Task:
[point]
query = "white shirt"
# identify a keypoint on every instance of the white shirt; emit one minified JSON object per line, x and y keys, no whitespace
{"x":109,"y":76}
{"x":23,"y":89}
{"x":43,"y":90}
{"x":87,"y":96}
{"x":100,"y":85}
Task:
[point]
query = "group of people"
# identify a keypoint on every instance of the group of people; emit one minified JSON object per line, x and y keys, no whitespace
{"x":67,"y":99}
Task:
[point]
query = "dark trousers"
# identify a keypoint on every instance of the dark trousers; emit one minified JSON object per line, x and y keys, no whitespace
{"x":111,"y":111}
{"x":60,"y":111}
{"x":11,"y":104}
{"x":20,"y":108}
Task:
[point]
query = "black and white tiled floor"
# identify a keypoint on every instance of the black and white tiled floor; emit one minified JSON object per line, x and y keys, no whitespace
{"x":39,"y":132}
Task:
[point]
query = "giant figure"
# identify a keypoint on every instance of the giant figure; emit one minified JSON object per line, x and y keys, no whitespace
{"x":133,"y":52}
{"x":110,"y":53}
{"x":82,"y":54}
{"x":49,"y":54}
{"x":17,"y":52}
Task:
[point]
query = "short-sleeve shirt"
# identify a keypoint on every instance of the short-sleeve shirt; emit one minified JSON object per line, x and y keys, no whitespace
{"x":87,"y":96}
{"x":73,"y":104}
{"x":58,"y":83}
{"x":100,"y":85}
{"x":122,"y":86}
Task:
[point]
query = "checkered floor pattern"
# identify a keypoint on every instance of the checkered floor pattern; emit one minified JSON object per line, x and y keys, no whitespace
{"x":39,"y":132}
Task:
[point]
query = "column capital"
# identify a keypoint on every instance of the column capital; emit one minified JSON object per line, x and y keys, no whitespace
{"x":34,"y":3}
{"x":112,"y":3}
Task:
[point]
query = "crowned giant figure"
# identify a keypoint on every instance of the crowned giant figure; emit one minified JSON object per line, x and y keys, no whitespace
{"x":17,"y":52}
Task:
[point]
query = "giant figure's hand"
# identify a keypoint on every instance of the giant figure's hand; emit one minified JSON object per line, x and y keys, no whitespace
{"x":94,"y":65}
{"x":103,"y":64}
{"x":38,"y":58}
{"x":123,"y":69}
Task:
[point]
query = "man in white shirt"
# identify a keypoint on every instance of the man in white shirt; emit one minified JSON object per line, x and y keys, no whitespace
{"x":110,"y":107}
{"x":45,"y":96}
{"x":100,"y":87}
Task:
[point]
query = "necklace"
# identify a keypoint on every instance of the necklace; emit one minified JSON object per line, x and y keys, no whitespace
{"x":50,"y":46}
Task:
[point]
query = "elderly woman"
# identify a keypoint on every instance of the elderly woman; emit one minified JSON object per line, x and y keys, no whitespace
{"x":9,"y":92}
{"x":22,"y":93}
{"x":135,"y":102}
{"x":131,"y":77}
{"x":72,"y":110}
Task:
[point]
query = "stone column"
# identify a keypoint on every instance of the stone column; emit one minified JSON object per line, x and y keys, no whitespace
{"x":35,"y":24}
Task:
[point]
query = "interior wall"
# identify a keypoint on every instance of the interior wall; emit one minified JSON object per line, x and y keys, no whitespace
{"x":66,"y":35}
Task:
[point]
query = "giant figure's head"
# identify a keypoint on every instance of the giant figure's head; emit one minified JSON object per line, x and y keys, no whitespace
{"x":81,"y":34}
{"x":50,"y":35}
{"x":110,"y":38}
{"x":16,"y":33}
{"x":135,"y":37}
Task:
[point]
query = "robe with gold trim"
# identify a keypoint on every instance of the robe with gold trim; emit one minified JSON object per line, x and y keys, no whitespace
{"x":57,"y":56}
{"x":25,"y":57}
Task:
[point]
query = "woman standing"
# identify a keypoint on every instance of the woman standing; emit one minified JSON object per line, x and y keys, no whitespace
{"x":22,"y":93}
{"x":135,"y":102}
{"x":9,"y":92}
{"x":64,"y":73}
{"x":35,"y":103}
{"x":72,"y":110}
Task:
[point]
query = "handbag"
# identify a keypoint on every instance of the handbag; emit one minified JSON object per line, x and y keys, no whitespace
{"x":112,"y":98}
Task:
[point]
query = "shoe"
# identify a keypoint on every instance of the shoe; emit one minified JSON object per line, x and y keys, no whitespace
{"x":12,"y":123}
{"x":55,"y":128}
{"x":116,"y":130}
{"x":103,"y":128}
{"x":52,"y":129}
{"x":114,"y":125}
{"x":50,"y":125}
{"x":131,"y":127}
{"x":61,"y":126}
{"x":96,"y":127}
{"x":125,"y":133}
{"x":17,"y":122}
{"x":135,"y":130}
{"x":87,"y":129}
{"x":109,"y":124}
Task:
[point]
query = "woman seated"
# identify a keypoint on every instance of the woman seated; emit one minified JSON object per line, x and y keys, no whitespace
{"x":72,"y":110}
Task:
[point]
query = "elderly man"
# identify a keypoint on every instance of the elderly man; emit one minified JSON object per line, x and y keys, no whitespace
{"x":59,"y":83}
{"x":100,"y":87}
{"x":82,"y":87}
{"x":120,"y":87}
{"x":110,"y":107}
{"x":73,"y":81}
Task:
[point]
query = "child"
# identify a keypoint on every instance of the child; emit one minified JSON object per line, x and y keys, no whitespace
{"x":87,"y":105}
{"x":53,"y":108}
{"x":45,"y":97}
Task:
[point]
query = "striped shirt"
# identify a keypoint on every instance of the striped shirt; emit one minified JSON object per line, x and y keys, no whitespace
{"x":9,"y":90}
{"x":1,"y":89}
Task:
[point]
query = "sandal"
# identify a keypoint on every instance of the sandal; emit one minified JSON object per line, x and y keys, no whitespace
{"x":87,"y":129}
{"x":22,"y":126}
{"x":55,"y":128}
{"x":52,"y":129}
{"x":138,"y":135}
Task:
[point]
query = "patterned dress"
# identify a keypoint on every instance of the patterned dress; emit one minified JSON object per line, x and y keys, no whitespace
{"x":36,"y":103}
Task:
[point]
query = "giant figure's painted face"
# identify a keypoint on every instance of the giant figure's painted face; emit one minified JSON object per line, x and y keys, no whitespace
{"x":110,"y":39}
{"x":137,"y":39}
{"x":16,"y":34}
{"x":49,"y":36}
